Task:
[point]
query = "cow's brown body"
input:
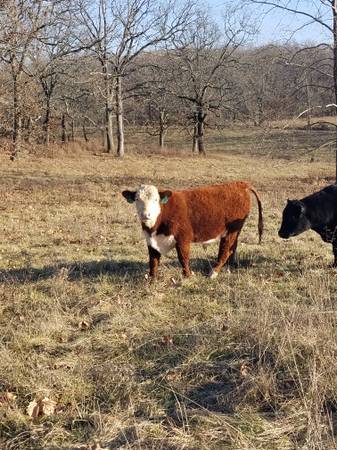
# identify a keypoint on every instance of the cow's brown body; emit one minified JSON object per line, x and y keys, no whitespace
{"x":200,"y":215}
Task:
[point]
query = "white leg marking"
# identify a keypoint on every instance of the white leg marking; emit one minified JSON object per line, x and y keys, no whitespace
{"x":213,"y":274}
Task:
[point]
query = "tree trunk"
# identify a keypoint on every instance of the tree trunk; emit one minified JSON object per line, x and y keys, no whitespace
{"x":334,"y":12}
{"x":72,"y":130}
{"x":119,"y":117}
{"x":47,"y":123}
{"x":161,"y":129}
{"x":108,"y":110}
{"x":200,"y":131}
{"x":109,"y":127}
{"x":195,"y":133}
{"x":28,"y":129}
{"x":308,"y":105}
{"x":16,"y":136}
{"x":84,"y":132}
{"x":63,"y":129}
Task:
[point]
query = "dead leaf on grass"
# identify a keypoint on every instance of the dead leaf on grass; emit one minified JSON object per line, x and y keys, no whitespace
{"x":7,"y":397}
{"x":245,"y":369}
{"x":83,"y":325}
{"x":33,"y":409}
{"x":42,"y":407}
{"x":48,"y":406}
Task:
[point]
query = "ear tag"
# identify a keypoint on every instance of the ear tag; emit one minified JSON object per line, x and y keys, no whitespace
{"x":164,"y":199}
{"x":130,"y":200}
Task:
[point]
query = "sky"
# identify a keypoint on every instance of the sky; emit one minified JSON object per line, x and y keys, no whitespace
{"x":276,"y":26}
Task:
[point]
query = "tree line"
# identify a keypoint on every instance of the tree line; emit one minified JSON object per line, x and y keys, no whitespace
{"x":94,"y":67}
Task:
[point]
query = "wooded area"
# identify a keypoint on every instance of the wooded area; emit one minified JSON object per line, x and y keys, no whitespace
{"x":86,"y":69}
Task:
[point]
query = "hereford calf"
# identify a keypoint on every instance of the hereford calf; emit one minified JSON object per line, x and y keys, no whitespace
{"x":317,"y":212}
{"x":205,"y":214}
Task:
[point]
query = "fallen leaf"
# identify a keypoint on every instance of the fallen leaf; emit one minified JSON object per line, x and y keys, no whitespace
{"x":245,"y":368}
{"x":42,"y":407}
{"x":34,"y":409}
{"x":83,"y":325}
{"x":7,"y":397}
{"x":48,"y":406}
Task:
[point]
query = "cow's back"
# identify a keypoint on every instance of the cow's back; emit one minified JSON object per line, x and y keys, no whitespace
{"x":211,"y":209}
{"x":322,"y":206}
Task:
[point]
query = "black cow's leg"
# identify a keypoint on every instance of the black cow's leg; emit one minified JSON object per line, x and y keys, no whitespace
{"x":183,"y":251}
{"x":334,"y":249}
{"x":154,"y":260}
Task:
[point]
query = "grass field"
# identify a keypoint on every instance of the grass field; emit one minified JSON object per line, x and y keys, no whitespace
{"x":246,"y":361}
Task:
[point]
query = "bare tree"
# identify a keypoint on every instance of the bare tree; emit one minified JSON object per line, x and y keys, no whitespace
{"x":46,"y":64}
{"x":199,"y":62}
{"x":323,"y":13}
{"x":21,"y":21}
{"x":141,"y":25}
{"x":99,"y":27}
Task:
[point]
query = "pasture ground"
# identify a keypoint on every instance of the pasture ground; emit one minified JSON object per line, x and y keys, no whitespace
{"x":246,"y":361}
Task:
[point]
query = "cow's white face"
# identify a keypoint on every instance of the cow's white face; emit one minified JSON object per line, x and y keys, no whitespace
{"x":148,"y":204}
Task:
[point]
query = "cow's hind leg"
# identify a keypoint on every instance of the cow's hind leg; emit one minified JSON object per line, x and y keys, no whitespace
{"x":183,"y":251}
{"x":227,"y":247}
{"x":232,"y":259}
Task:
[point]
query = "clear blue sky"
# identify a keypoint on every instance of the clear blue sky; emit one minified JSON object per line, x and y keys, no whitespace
{"x":278,"y":26}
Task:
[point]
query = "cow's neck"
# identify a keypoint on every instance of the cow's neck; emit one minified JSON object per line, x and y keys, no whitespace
{"x":314,"y":215}
{"x":153,"y":229}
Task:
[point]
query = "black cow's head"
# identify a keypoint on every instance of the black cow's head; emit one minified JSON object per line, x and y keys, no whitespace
{"x":294,"y":220}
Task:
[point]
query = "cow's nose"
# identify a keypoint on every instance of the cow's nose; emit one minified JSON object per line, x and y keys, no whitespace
{"x":282,"y":235}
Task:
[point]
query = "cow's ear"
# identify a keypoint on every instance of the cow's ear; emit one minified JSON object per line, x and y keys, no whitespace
{"x":164,"y":196}
{"x":129,"y":195}
{"x":300,"y":207}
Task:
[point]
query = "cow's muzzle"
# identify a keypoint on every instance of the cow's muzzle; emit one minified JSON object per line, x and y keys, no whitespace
{"x":283,"y":235}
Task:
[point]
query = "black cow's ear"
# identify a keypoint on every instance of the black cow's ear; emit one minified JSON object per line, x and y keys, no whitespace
{"x":164,"y":196}
{"x":129,"y":195}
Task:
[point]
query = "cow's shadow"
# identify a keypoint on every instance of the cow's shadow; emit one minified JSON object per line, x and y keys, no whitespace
{"x":203,"y":265}
{"x":121,"y":268}
{"x":75,"y":270}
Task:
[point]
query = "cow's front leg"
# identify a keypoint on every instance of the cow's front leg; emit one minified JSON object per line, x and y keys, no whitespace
{"x":183,"y":251}
{"x":154,"y":260}
{"x":334,"y":249}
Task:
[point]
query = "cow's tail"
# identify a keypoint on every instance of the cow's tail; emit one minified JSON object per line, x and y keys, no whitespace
{"x":259,"y":204}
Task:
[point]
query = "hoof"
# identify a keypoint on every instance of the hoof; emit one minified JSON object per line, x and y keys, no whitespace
{"x":213,"y":274}
{"x":188,"y":274}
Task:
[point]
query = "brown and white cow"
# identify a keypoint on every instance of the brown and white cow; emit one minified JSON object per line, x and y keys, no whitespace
{"x":203,"y":214}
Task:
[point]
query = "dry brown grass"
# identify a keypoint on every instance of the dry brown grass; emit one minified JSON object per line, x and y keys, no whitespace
{"x":243,"y":362}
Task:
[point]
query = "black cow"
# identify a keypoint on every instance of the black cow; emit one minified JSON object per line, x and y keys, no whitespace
{"x":317,"y":212}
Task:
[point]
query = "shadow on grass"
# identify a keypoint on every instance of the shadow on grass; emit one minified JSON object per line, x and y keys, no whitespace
{"x":204,"y":265}
{"x":93,"y":269}
{"x":74,"y":271}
